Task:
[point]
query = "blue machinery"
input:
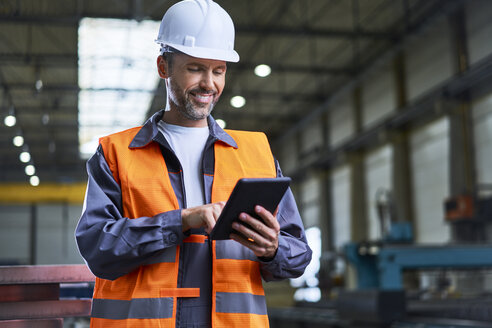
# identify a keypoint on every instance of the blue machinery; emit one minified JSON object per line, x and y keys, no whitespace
{"x":381,"y":266}
{"x":381,"y":301}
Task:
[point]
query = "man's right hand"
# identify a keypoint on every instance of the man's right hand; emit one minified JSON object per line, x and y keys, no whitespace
{"x":201,"y":216}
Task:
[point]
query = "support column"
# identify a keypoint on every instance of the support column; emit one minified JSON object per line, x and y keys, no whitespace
{"x":358,"y":204}
{"x":326,"y":218}
{"x":358,"y":179}
{"x":33,"y":234}
{"x":402,"y":172}
{"x":65,"y":230}
{"x":327,"y":260}
{"x":462,"y":176}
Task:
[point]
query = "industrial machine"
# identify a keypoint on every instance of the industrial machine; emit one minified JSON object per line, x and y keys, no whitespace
{"x":382,"y":298}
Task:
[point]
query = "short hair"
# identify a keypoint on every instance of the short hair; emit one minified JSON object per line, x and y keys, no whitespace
{"x":168,"y":53}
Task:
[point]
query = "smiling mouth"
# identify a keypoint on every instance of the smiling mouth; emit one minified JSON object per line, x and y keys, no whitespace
{"x":203,"y":98}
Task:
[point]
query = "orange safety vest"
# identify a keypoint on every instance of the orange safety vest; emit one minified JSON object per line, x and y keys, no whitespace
{"x":147,"y":296}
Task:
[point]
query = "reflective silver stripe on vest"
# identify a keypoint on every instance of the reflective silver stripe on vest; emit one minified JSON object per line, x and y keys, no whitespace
{"x":137,"y":308}
{"x":168,"y":255}
{"x":240,"y":303}
{"x":230,"y":249}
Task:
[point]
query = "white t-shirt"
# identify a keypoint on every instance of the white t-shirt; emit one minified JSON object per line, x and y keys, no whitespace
{"x":188,"y":145}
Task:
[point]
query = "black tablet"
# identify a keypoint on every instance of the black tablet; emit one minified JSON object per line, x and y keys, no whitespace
{"x":266,"y":192}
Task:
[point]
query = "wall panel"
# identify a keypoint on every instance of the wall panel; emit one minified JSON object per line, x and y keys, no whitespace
{"x":429,"y":60}
{"x":378,"y":97}
{"x":482,"y":119}
{"x":378,"y":177}
{"x":341,"y":213}
{"x":14,"y":234}
{"x":310,"y":199}
{"x":430,"y":167}
{"x":341,"y":122}
{"x":479,"y":29}
{"x":312,"y":137}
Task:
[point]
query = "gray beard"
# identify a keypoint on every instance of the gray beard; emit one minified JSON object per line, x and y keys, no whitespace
{"x":184,"y":106}
{"x":189,"y":111}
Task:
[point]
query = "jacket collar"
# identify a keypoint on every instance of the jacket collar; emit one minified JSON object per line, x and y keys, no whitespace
{"x":149,"y":132}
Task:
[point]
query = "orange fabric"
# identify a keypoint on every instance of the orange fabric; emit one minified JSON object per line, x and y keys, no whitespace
{"x":195,"y":239}
{"x":180,"y":292}
{"x":142,"y":195}
{"x":146,"y":281}
{"x":131,"y":323}
{"x":252,"y":159}
{"x":227,"y":320}
{"x":214,"y":285}
{"x":227,"y":271}
{"x":135,"y":169}
{"x":145,"y":195}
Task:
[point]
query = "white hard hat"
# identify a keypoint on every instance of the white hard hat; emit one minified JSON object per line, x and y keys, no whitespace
{"x":199,"y":28}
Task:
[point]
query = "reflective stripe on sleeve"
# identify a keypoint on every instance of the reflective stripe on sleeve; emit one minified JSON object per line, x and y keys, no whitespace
{"x":137,"y":308}
{"x":240,"y":303}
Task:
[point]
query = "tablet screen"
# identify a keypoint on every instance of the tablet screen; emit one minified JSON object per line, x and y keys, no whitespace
{"x":249,"y":192}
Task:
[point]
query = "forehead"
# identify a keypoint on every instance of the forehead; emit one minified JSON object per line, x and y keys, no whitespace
{"x":183,"y":59}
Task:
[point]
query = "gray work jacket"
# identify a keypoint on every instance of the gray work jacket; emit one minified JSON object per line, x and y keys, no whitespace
{"x":113,"y":245}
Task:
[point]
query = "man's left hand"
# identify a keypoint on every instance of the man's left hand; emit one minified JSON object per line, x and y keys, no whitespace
{"x":262,"y":237}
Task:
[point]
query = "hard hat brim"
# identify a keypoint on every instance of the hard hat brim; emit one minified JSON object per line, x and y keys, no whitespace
{"x":207,"y":53}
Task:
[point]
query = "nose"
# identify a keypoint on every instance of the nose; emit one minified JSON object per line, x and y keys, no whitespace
{"x":207,"y":80}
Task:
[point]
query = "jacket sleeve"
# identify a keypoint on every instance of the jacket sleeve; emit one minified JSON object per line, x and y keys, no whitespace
{"x":293,"y":253}
{"x":113,"y":245}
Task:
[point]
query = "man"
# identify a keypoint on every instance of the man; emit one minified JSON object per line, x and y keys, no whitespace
{"x":155,"y":192}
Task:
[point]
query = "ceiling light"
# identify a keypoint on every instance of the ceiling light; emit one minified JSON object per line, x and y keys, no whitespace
{"x":18,"y":141}
{"x":45,"y":119}
{"x":34,"y":181}
{"x":10,"y":120}
{"x":30,"y":169}
{"x":221,"y":123}
{"x":263,"y":70}
{"x":39,"y":85}
{"x":238,"y":101}
{"x":25,"y":157}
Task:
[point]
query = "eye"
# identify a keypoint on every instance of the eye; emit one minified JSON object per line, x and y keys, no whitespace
{"x":219,"y":71}
{"x":193,"y":69}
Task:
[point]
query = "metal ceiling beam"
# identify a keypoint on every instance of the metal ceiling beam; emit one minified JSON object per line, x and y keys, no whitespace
{"x":440,"y":9}
{"x":240,"y":29}
{"x":66,"y":87}
{"x":245,"y":93}
{"x":57,"y":88}
{"x":479,"y":76}
{"x":275,"y":95}
{"x":57,"y":60}
{"x":71,"y":60}
{"x":288,"y":68}
{"x":304,"y":31}
{"x":40,"y":20}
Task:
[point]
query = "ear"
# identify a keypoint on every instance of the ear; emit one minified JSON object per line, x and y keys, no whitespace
{"x":162,"y":67}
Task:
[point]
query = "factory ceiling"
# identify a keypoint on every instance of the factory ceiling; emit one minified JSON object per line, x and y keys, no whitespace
{"x":315,"y":48}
